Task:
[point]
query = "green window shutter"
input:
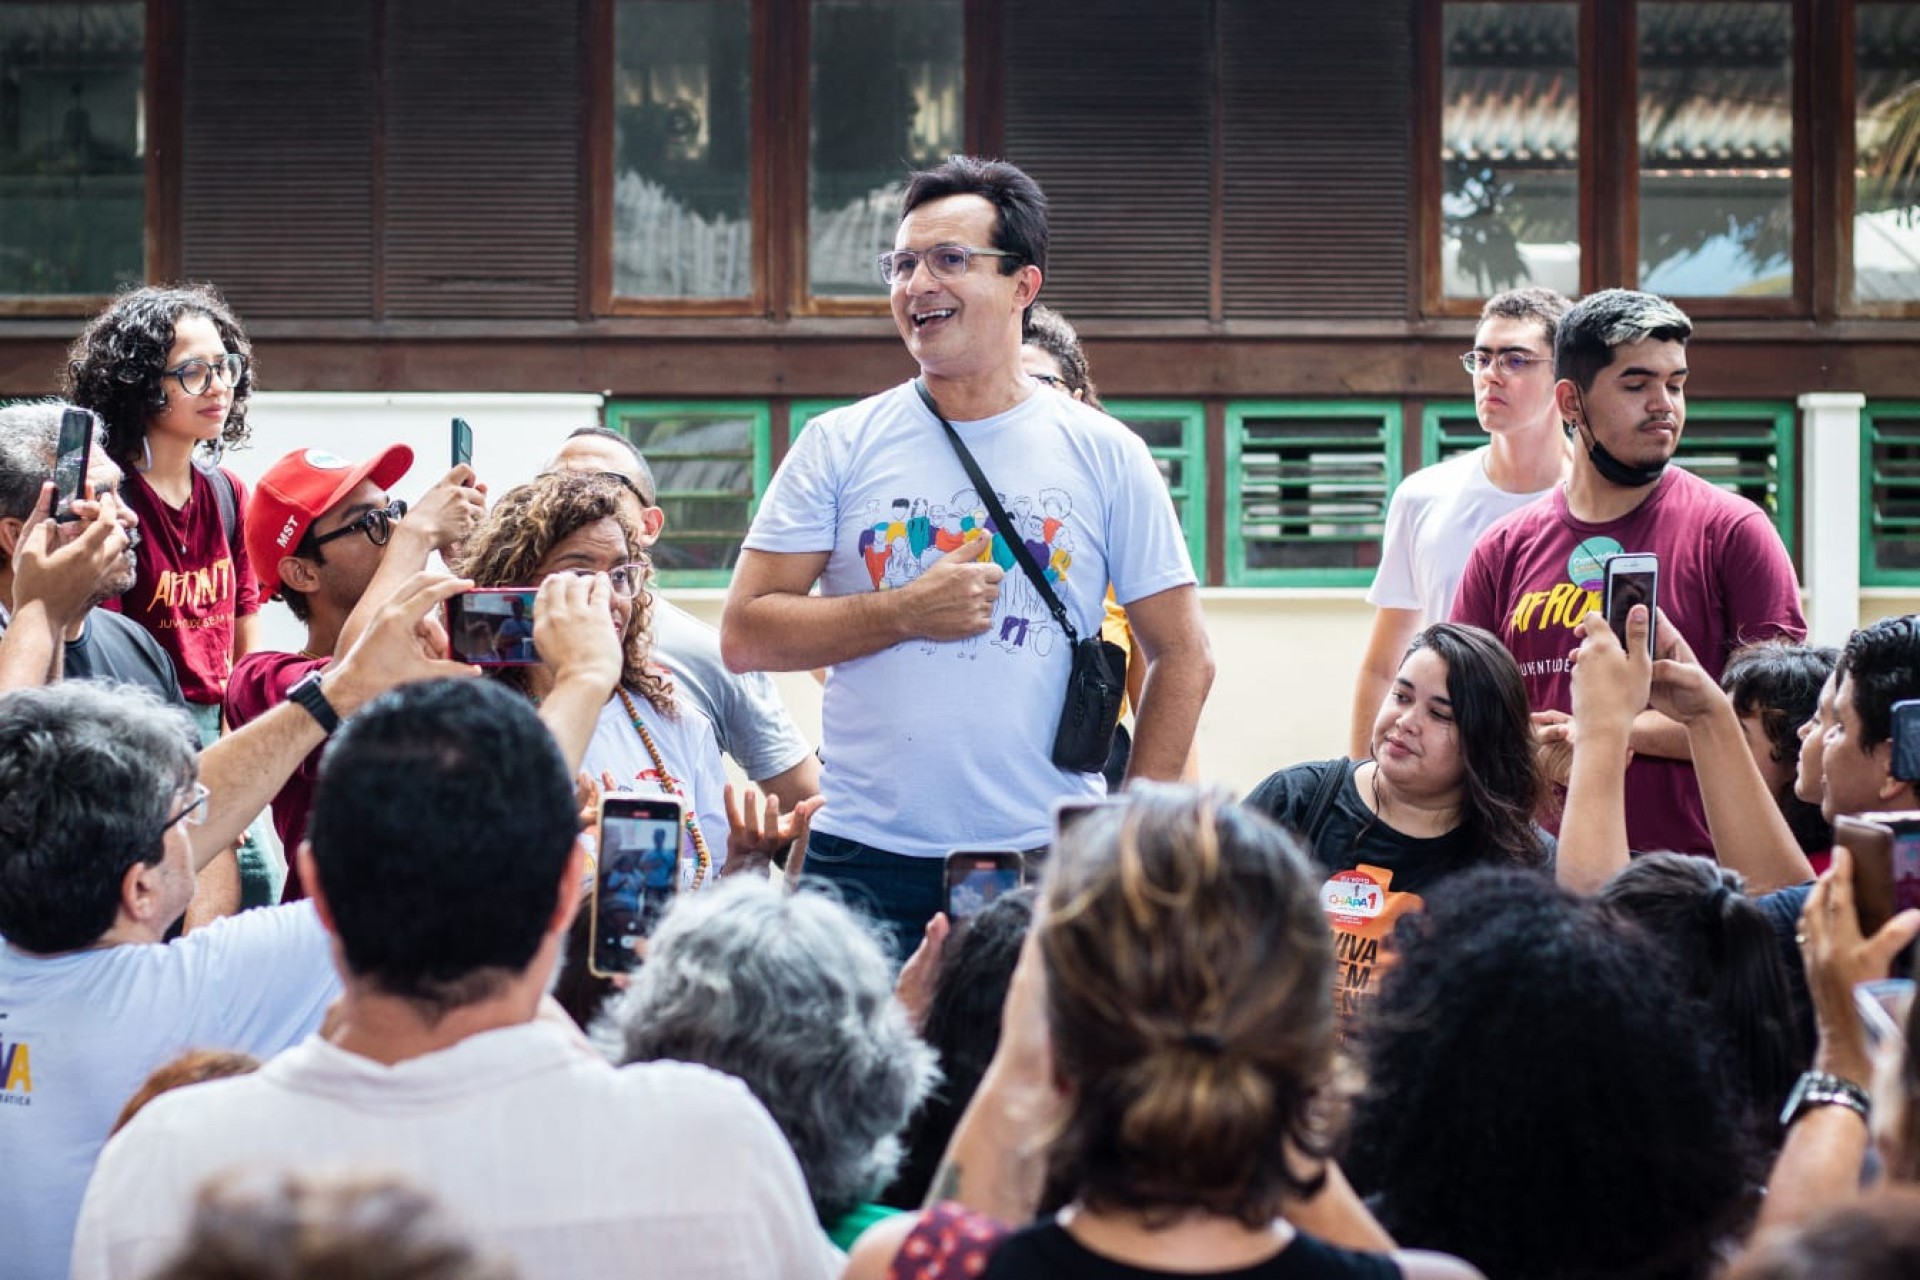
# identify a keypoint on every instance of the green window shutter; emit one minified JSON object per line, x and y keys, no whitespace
{"x":1745,"y":447}
{"x":710,"y":463}
{"x":1307,"y":488}
{"x":1890,"y":481}
{"x":1449,"y":428}
{"x":1176,"y":436}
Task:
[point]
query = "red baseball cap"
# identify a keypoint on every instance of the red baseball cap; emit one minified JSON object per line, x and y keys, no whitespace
{"x":299,"y":489}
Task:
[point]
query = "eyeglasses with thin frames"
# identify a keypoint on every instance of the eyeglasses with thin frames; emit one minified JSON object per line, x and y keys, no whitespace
{"x":196,"y":375}
{"x":944,"y":261}
{"x":1511,"y":363}
{"x":626,"y":579}
{"x":1053,"y":380}
{"x":377,"y":524}
{"x":193,"y":812}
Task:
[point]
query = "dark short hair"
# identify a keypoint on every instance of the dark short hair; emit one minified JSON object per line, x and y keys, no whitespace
{"x":89,"y":774}
{"x":1020,"y":226}
{"x":1545,"y":307}
{"x":1519,"y":1024}
{"x":1779,"y":682}
{"x":1882,"y":664}
{"x":442,"y":820}
{"x":117,"y":366}
{"x":1190,"y":998}
{"x":1612,"y":318}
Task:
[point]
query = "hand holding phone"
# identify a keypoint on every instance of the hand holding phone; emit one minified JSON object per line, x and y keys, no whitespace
{"x":492,"y":627}
{"x":975,"y":878}
{"x":72,"y":458}
{"x":1886,"y":864}
{"x":1630,"y":580}
{"x":636,"y":879}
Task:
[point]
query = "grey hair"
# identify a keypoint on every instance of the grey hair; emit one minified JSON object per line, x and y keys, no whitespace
{"x":29,"y":434}
{"x":793,"y":994}
{"x":1612,"y":318}
{"x":88,"y":772}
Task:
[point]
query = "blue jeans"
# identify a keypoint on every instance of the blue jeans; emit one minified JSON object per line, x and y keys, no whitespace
{"x":898,"y":893}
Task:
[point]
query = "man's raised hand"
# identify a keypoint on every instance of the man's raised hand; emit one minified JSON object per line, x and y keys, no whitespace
{"x":954,"y":598}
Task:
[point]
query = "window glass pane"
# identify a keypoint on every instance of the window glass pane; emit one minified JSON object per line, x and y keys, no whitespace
{"x":1510,"y":149}
{"x":704,"y":469}
{"x":1886,"y":220}
{"x":72,"y":148}
{"x":682,"y":149}
{"x":1716,"y":149}
{"x":887,"y":97}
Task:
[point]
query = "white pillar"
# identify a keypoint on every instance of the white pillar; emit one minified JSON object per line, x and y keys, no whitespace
{"x":1830,"y":463}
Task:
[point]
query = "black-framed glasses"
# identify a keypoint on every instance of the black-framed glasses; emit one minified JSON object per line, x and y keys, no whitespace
{"x":1053,"y":380}
{"x":196,"y":375}
{"x":377,"y":524}
{"x":193,"y":812}
{"x":1511,"y":363}
{"x":944,"y":261}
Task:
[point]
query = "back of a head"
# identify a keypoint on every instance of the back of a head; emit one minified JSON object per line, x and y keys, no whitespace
{"x":793,"y":995}
{"x":29,"y":435}
{"x":1021,"y":227}
{"x":1876,"y":1237}
{"x":89,"y":774}
{"x":442,"y":822}
{"x":1612,"y":318}
{"x":299,"y":1228}
{"x":1881,"y":665}
{"x":195,"y":1066}
{"x":1728,"y":957}
{"x":1190,"y":997}
{"x":1538,"y":1100}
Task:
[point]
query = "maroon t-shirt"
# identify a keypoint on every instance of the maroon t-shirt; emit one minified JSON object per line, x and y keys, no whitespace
{"x":192,"y":582}
{"x":1725,"y":581}
{"x":259,"y":684}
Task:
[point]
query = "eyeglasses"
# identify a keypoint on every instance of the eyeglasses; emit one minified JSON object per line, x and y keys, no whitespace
{"x":1053,"y":380}
{"x":626,"y":579}
{"x":944,"y":262}
{"x":377,"y":524}
{"x":196,"y":375}
{"x":1512,"y":363}
{"x":194,"y":812}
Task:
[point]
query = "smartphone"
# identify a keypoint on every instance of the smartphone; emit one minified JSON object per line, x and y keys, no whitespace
{"x":1905,"y":764}
{"x":1631,"y":580}
{"x":637,"y":876}
{"x":1886,"y":863}
{"x":492,"y":626}
{"x":975,"y":877}
{"x":71,"y":459}
{"x":462,"y":443}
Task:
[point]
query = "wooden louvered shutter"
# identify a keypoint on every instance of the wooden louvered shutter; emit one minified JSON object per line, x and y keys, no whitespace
{"x":1108,"y":106}
{"x":277,"y":156}
{"x":483,"y":157}
{"x":1318,"y":158}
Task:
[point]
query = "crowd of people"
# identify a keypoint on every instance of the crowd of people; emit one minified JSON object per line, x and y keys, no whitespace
{"x":1591,"y":958}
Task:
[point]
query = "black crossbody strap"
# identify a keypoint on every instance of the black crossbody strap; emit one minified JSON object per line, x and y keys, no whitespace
{"x":1001,"y":520}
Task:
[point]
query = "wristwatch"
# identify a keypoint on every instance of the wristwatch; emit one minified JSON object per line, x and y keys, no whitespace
{"x":306,"y":692}
{"x":1821,"y":1089}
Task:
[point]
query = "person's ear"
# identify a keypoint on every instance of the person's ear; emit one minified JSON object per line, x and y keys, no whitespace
{"x":10,"y":535}
{"x":1891,"y":788}
{"x":1026,"y":285}
{"x":1566,"y":398}
{"x":140,"y":897}
{"x":297,"y":573}
{"x":652,"y":521}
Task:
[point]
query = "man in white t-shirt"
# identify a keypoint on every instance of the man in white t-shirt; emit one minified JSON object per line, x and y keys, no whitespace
{"x":1438,"y":512}
{"x":105,"y":814}
{"x":444,"y":860}
{"x":947,"y":669}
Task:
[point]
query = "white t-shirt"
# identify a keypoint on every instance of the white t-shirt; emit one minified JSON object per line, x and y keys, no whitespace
{"x":750,"y":722}
{"x":80,"y":1032}
{"x":1433,"y":520}
{"x":575,"y":1169}
{"x":931,"y":746}
{"x":692,"y":756}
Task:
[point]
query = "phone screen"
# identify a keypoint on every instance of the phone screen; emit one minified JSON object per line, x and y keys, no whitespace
{"x":1631,"y":580}
{"x":639,"y":872}
{"x":492,"y":626}
{"x":974,"y":880}
{"x":71,"y":459}
{"x":462,"y":442}
{"x":1906,"y":867}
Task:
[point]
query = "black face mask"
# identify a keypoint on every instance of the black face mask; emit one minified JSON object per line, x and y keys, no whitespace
{"x":1611,"y":468}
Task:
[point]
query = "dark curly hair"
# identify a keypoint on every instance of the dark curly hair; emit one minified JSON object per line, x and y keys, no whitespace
{"x":1780,"y":683}
{"x":1190,"y":1000}
{"x":1047,"y":330}
{"x":1883,"y":663}
{"x":1539,"y":1100}
{"x":525,"y":525}
{"x":117,"y":366}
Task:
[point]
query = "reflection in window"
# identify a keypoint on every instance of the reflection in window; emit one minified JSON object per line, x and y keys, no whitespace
{"x":1886,"y":220}
{"x":887,"y":97}
{"x":1509,"y":148}
{"x":72,"y":148}
{"x":1716,"y":149}
{"x":682,"y":118}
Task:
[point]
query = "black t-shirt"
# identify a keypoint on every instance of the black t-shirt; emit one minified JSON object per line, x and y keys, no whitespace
{"x":114,"y":648}
{"x":1045,"y":1251}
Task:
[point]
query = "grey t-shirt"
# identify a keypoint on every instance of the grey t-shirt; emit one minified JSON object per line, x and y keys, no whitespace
{"x":749,"y":720}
